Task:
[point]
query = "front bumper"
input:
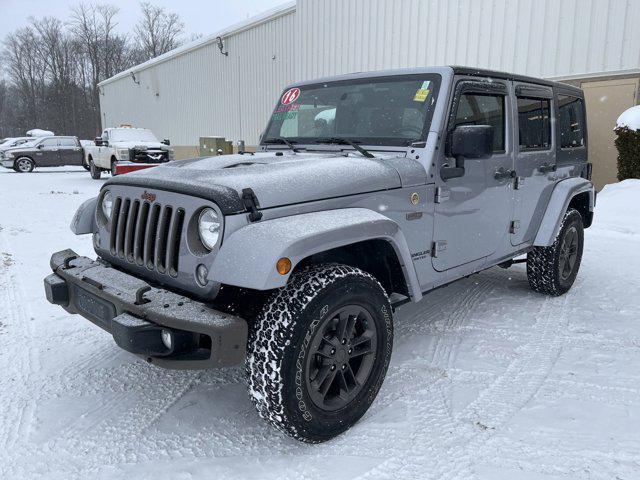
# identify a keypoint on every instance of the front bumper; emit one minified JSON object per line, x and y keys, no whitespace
{"x":136,"y":314}
{"x":123,"y":167}
{"x":7,"y":163}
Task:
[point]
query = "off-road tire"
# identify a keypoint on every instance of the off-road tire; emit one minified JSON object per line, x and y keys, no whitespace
{"x":24,"y":161}
{"x":543,"y":263}
{"x":95,"y":171}
{"x":280,"y":343}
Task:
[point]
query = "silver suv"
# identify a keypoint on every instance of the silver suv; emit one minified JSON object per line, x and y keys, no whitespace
{"x":368,"y":191}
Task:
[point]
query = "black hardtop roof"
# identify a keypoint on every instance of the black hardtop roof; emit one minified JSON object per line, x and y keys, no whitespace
{"x":480,"y":72}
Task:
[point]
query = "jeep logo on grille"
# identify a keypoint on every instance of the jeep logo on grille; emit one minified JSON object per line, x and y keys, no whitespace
{"x":150,"y":197}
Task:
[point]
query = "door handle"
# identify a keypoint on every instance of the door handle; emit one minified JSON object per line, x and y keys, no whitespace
{"x":547,"y":167}
{"x":502,"y":174}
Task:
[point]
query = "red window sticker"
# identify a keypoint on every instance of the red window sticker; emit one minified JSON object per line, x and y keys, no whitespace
{"x":290,"y":96}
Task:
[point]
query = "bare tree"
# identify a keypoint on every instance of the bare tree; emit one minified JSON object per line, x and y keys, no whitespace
{"x":102,"y":49}
{"x":52,"y":68}
{"x":158,"y":31}
{"x":59,"y":55}
{"x":23,"y":56}
{"x":3,"y":107}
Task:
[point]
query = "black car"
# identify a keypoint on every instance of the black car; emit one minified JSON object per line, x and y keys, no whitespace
{"x":44,"y":152}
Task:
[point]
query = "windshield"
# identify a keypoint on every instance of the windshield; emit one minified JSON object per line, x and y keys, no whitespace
{"x":393,"y":111}
{"x":132,"y":135}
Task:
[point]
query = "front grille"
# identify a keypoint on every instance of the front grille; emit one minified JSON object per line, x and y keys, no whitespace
{"x":144,"y":156}
{"x":147,"y":234}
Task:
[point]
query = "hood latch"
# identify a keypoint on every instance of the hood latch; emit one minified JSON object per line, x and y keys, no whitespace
{"x":251,"y":204}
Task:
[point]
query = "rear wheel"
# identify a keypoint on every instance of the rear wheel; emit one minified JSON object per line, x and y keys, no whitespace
{"x":319,"y":351}
{"x":95,"y":171}
{"x":552,"y":270}
{"x":24,"y":165}
{"x":113,"y":167}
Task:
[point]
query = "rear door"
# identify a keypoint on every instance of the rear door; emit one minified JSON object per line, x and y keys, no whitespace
{"x":535,"y":160}
{"x":70,"y":152}
{"x":47,"y":153}
{"x":472,"y":212}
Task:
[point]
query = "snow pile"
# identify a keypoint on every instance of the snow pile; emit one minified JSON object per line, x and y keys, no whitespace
{"x":630,"y":118}
{"x":36,"y":132}
{"x":617,"y":207}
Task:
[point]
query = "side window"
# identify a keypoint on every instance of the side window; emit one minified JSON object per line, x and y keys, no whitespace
{"x":571,"y":121}
{"x":105,"y":136}
{"x":480,"y":109}
{"x":67,"y":142}
{"x":49,"y":142}
{"x":534,"y":126}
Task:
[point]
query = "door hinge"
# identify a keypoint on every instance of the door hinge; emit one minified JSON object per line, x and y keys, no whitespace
{"x":251,"y":204}
{"x":515,"y":225}
{"x":442,"y":195}
{"x":439,"y":246}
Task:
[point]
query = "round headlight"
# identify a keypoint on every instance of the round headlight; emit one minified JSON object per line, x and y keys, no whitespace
{"x":107,"y":204}
{"x":209,"y":227}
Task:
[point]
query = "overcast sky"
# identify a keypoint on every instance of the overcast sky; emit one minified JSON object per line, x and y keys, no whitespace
{"x":200,"y":16}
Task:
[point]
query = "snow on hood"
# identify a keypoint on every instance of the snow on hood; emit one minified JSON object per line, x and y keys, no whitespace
{"x":630,"y":118}
{"x":138,"y":144}
{"x":22,"y":146}
{"x":276,"y":180}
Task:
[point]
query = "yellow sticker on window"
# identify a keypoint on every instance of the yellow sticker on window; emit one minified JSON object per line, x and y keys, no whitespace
{"x":421,"y":95}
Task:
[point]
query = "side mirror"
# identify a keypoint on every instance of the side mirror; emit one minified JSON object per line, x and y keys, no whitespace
{"x":166,"y":142}
{"x":468,"y":141}
{"x":98,"y":141}
{"x":40,"y":146}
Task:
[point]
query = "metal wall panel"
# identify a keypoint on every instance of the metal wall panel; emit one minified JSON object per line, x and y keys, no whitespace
{"x":204,"y":93}
{"x":199,"y":92}
{"x":544,"y":38}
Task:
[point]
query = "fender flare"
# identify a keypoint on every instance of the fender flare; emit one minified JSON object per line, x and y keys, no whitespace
{"x":561,"y":196}
{"x":248,"y":256}
{"x":84,"y":220}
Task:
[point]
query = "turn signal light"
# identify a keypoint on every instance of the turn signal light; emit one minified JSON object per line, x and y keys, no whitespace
{"x":283,"y":266}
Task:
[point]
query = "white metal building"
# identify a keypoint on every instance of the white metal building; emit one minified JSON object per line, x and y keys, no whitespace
{"x":197,"y":90}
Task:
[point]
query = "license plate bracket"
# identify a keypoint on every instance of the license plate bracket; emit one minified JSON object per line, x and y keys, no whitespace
{"x":98,"y":310}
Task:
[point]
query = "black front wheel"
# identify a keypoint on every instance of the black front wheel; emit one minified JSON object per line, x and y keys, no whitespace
{"x":319,"y":351}
{"x":552,"y":270}
{"x":95,"y":171}
{"x":24,"y":165}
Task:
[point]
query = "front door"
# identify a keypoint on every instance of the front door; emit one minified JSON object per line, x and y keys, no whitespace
{"x":47,"y":153}
{"x":473,"y":212}
{"x":535,"y":161}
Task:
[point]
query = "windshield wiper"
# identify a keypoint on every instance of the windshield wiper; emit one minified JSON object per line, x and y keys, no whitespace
{"x":282,"y":140}
{"x":346,"y":141}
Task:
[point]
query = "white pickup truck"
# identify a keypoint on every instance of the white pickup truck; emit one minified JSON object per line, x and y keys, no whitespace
{"x":125,"y":149}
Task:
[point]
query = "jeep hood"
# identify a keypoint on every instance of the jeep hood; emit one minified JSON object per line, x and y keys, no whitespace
{"x":275,"y":180}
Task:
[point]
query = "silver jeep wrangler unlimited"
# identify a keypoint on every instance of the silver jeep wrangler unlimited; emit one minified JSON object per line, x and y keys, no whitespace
{"x":368,"y":191}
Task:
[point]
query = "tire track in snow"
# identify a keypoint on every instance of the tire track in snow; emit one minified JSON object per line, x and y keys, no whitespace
{"x":18,"y":359}
{"x":462,"y":436}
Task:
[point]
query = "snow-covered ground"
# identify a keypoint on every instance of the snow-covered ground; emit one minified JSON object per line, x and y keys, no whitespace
{"x":488,"y":379}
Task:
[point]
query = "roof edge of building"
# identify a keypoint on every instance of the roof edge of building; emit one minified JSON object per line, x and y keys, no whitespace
{"x":251,"y":22}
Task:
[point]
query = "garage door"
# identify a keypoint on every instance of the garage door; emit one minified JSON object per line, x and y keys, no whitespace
{"x":605,"y":101}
